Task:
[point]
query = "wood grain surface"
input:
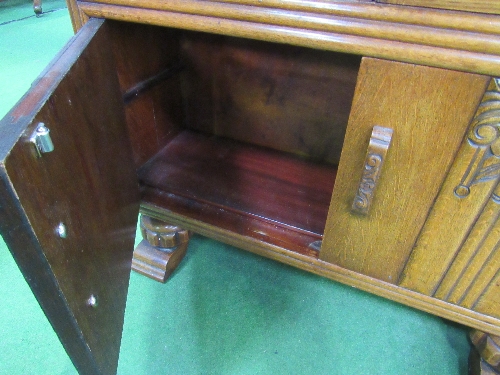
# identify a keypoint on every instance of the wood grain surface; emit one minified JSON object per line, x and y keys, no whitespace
{"x":488,"y":299}
{"x":283,"y":97}
{"x":162,"y":249}
{"x":480,"y":6}
{"x":476,"y":249}
{"x":311,"y":263}
{"x":488,"y":346}
{"x":441,"y":38}
{"x":155,"y":115}
{"x":447,"y":263}
{"x":410,"y":33}
{"x":88,"y":184}
{"x":449,"y":45}
{"x":251,"y":190}
{"x":419,"y":104}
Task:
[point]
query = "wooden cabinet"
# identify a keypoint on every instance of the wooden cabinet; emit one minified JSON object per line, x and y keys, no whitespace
{"x":354,"y":140}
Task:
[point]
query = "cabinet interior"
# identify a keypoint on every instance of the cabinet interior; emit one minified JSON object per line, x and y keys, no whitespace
{"x":242,"y":134}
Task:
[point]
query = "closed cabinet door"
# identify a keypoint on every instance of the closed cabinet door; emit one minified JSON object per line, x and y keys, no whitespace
{"x":407,"y":125}
{"x":456,"y":257}
{"x":69,"y":198}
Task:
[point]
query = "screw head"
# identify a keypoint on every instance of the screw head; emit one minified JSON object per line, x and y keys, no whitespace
{"x":92,"y":301}
{"x":41,"y":129}
{"x":61,"y":230}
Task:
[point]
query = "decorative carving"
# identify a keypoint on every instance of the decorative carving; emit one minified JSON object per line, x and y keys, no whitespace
{"x":162,"y":249}
{"x":484,"y":136}
{"x":377,"y":149}
{"x":485,"y":354}
{"x":367,"y":185}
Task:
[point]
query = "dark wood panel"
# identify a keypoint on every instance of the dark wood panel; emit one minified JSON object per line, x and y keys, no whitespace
{"x":87,"y":183}
{"x":245,"y":188}
{"x":154,"y":116}
{"x":196,"y":214}
{"x":284,"y":97}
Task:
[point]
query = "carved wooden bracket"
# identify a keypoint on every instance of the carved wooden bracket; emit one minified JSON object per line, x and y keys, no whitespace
{"x":380,"y":141}
{"x":485,"y":355}
{"x":162,"y":249}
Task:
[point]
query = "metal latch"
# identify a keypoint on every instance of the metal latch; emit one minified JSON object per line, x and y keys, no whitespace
{"x":41,"y":140}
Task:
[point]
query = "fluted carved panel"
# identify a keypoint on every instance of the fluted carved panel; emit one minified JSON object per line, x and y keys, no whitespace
{"x":462,"y":282}
{"x":459,"y":264}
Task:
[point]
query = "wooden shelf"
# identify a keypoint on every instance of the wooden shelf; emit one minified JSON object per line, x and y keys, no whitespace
{"x":279,"y":198}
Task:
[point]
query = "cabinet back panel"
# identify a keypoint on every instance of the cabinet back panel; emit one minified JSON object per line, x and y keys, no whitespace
{"x":287,"y":98}
{"x":284,"y":97}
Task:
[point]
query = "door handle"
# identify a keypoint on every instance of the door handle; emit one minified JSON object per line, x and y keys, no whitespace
{"x":380,"y":141}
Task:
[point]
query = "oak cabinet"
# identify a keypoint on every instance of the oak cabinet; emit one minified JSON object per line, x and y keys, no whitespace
{"x":354,"y":140}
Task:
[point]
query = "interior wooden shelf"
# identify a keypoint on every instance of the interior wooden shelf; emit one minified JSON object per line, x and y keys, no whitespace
{"x":272,"y":196}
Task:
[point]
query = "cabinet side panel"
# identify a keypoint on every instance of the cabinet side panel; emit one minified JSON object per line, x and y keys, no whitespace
{"x":428,"y":110}
{"x":80,"y":199}
{"x":142,"y":54}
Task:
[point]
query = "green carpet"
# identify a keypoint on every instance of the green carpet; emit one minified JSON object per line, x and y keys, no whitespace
{"x":225,"y":311}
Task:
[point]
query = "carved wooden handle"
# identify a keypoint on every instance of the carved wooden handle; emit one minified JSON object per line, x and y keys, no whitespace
{"x":377,"y":150}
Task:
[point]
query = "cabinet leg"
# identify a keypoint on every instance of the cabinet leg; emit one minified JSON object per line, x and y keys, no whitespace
{"x":161,"y":250}
{"x":37,"y":7}
{"x":484,"y":358}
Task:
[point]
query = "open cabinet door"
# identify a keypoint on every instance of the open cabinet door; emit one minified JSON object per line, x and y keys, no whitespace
{"x":68,"y":214}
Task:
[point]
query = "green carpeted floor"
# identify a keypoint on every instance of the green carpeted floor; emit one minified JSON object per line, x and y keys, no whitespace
{"x":225,"y":311}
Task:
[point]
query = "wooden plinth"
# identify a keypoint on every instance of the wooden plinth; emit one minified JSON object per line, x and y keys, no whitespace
{"x":161,"y":250}
{"x":484,"y":358}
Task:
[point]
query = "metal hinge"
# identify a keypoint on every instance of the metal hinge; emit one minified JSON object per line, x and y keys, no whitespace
{"x":41,"y":140}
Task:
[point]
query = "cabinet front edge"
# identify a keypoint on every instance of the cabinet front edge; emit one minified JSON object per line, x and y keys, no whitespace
{"x":331,"y":271}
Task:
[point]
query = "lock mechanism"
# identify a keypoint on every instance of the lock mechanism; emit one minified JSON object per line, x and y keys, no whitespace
{"x":41,"y":140}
